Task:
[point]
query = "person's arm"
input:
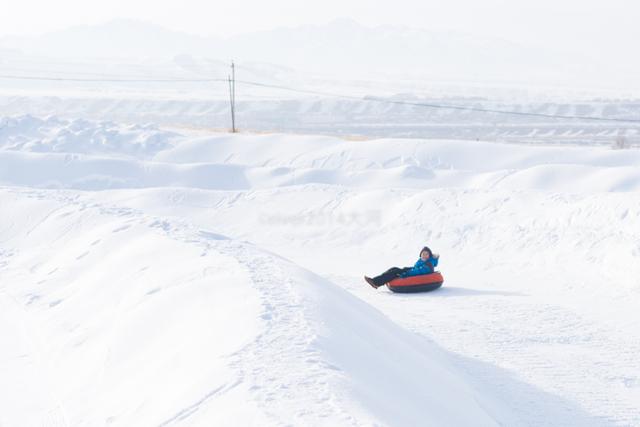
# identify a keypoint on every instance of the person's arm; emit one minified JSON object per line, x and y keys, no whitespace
{"x":422,"y":267}
{"x":411,"y":271}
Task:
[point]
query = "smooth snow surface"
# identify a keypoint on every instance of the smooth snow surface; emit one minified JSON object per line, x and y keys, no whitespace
{"x":154,"y":278}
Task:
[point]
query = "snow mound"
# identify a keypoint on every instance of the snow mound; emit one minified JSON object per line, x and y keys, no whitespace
{"x":55,"y":135}
{"x":56,"y":153}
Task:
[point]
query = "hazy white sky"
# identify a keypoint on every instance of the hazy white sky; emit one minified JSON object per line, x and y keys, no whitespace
{"x":565,"y":21}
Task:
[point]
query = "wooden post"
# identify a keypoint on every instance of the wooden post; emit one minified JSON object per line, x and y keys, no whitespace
{"x":232,"y":96}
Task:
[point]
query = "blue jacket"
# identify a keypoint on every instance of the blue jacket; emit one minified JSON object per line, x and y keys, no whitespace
{"x":421,"y":267}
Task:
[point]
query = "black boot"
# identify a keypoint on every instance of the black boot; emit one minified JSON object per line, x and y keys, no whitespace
{"x":369,"y":280}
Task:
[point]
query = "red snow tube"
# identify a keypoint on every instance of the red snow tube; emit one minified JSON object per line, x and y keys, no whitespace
{"x":422,"y":283}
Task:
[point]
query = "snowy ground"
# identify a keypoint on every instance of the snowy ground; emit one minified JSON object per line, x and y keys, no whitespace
{"x":344,"y":117}
{"x":150,"y":277}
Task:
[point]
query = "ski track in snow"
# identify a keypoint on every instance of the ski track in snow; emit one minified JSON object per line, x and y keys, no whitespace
{"x":276,"y":385}
{"x":546,"y":345}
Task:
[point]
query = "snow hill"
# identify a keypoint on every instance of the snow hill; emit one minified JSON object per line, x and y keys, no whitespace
{"x":155,"y":277}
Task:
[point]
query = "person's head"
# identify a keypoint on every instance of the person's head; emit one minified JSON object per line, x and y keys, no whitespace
{"x":425,"y":253}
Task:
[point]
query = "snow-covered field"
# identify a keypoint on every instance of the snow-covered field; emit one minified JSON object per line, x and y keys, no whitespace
{"x":165,"y":277}
{"x":194,"y":109}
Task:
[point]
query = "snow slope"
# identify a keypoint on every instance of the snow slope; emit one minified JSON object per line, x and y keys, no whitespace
{"x":111,"y":294}
{"x":117,"y":317}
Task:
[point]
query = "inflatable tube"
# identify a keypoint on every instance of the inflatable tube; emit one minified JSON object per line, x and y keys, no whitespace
{"x":422,"y":283}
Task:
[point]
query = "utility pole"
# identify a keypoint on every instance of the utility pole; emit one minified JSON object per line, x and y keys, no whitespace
{"x":232,"y":96}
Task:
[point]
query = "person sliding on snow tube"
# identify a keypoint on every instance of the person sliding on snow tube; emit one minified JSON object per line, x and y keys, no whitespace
{"x":425,"y":265}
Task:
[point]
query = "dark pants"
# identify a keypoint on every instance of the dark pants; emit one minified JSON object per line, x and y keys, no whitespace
{"x":389,"y":275}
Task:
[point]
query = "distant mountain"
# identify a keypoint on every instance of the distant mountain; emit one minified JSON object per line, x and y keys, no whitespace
{"x":344,"y":46}
{"x":122,"y":38}
{"x":340,"y":48}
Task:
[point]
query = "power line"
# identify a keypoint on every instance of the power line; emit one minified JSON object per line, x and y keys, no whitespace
{"x":130,"y":74}
{"x":305,"y":91}
{"x":110,"y":80}
{"x":516,"y":113}
{"x":336,"y":95}
{"x":441,"y":106}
